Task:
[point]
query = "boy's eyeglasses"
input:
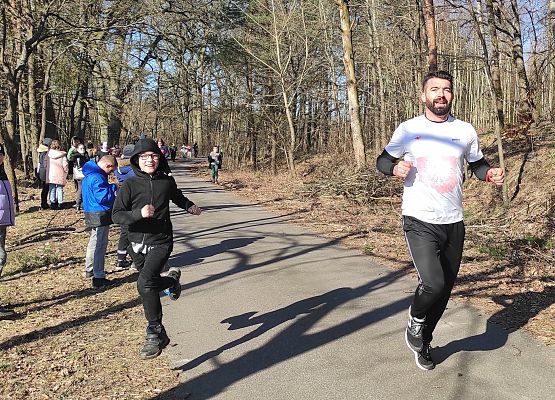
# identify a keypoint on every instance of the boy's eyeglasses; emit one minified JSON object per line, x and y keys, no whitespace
{"x":145,"y":157}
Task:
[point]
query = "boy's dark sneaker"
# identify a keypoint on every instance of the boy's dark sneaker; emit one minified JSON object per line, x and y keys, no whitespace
{"x":99,"y":283}
{"x":156,"y":340}
{"x":423,"y":358}
{"x":122,"y":265}
{"x":6,"y":313}
{"x":413,"y":333}
{"x":175,"y":290}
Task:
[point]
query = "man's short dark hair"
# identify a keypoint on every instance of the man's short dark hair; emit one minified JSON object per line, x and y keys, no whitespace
{"x":437,"y":74}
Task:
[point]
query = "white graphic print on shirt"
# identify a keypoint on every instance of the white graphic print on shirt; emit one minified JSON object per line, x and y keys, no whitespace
{"x":433,"y":188}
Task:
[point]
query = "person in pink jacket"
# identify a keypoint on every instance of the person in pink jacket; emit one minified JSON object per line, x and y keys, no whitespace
{"x":56,"y":174}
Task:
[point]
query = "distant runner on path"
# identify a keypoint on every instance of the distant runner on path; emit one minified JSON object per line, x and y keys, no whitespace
{"x":433,"y":148}
{"x":142,"y":204}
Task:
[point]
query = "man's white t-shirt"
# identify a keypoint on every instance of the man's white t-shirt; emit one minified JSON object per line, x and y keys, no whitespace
{"x":433,"y":188}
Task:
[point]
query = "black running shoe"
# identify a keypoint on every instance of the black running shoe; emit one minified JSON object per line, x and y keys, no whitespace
{"x":424,"y":358}
{"x":413,"y":333}
{"x":122,"y":265}
{"x":100,"y":283}
{"x":175,"y":290}
{"x":156,"y":340}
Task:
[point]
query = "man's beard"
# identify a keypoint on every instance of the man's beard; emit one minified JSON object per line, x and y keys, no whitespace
{"x":440,"y":112}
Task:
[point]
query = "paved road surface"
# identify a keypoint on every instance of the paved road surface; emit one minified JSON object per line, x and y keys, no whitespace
{"x":272,"y":311}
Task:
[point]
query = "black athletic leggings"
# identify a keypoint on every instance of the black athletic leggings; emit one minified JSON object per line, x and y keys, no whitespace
{"x":150,"y":283}
{"x":436,"y":252}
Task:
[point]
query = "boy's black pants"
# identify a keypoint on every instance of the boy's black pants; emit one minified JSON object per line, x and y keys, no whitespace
{"x":150,"y":283}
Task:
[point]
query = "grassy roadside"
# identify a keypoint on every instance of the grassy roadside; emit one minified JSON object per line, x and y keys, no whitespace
{"x":69,"y":342}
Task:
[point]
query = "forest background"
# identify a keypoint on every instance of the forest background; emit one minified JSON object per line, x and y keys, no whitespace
{"x":301,"y":96}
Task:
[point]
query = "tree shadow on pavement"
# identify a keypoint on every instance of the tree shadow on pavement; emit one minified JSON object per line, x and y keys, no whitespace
{"x":198,"y":255}
{"x":518,"y":308}
{"x":290,"y":342}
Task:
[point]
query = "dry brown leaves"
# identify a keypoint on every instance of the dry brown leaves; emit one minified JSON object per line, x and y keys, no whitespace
{"x":69,"y":342}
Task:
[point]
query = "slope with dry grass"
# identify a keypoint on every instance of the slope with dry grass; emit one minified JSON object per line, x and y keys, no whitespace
{"x":69,"y":342}
{"x":508,"y":266}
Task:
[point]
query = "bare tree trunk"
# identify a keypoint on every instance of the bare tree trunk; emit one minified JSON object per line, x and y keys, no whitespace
{"x":9,"y":140}
{"x":430,"y":21}
{"x":34,"y":128}
{"x":251,"y":131}
{"x":527,"y":109}
{"x":494,"y":76}
{"x":352,"y":88}
{"x":381,"y":137}
{"x":22,"y":122}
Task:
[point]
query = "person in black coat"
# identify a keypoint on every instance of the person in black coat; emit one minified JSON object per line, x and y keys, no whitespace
{"x":142,"y":203}
{"x":78,"y":158}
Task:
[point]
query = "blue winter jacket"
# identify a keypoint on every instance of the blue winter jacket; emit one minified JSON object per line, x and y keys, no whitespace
{"x":123,"y":172}
{"x":98,"y":196}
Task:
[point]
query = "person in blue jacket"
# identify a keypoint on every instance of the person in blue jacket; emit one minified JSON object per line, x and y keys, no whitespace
{"x":98,"y":199}
{"x":123,"y":172}
{"x":7,"y":218}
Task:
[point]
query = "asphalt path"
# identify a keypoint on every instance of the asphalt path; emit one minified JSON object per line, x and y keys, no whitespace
{"x":271,"y":310}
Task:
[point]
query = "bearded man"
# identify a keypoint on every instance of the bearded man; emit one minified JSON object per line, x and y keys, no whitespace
{"x":428,"y":152}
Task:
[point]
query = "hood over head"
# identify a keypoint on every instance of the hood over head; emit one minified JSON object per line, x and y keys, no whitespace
{"x":142,"y":146}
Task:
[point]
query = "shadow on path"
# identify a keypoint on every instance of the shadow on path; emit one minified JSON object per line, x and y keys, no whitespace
{"x":291,"y":341}
{"x":198,"y":255}
{"x":521,"y":306}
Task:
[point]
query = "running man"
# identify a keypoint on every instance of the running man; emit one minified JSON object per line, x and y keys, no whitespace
{"x":432,"y":149}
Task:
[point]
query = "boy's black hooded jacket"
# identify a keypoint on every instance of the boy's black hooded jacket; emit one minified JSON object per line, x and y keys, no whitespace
{"x":142,"y":189}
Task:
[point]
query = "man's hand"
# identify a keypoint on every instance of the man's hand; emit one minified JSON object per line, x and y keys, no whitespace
{"x":496,"y":176}
{"x":402,"y":169}
{"x":147,"y":211}
{"x":194,"y":209}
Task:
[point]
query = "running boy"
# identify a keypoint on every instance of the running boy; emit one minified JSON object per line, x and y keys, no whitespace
{"x":142,"y":204}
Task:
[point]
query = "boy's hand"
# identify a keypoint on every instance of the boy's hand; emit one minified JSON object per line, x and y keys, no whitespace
{"x":194,"y":209}
{"x":147,"y":211}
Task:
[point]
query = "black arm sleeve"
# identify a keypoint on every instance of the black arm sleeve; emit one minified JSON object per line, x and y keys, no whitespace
{"x":385,"y":163}
{"x":480,"y":168}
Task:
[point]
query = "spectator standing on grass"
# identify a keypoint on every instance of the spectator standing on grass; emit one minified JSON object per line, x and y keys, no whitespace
{"x":428,"y":153}
{"x":103,"y":151}
{"x":56,"y":174}
{"x":42,"y":150}
{"x":7,"y":218}
{"x":75,"y":142}
{"x":98,"y":200}
{"x":78,"y":158}
{"x":142,"y":204}
{"x":91,"y":150}
{"x":122,"y":173}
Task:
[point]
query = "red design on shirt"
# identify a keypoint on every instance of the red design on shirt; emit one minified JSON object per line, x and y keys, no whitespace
{"x":439,"y":173}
